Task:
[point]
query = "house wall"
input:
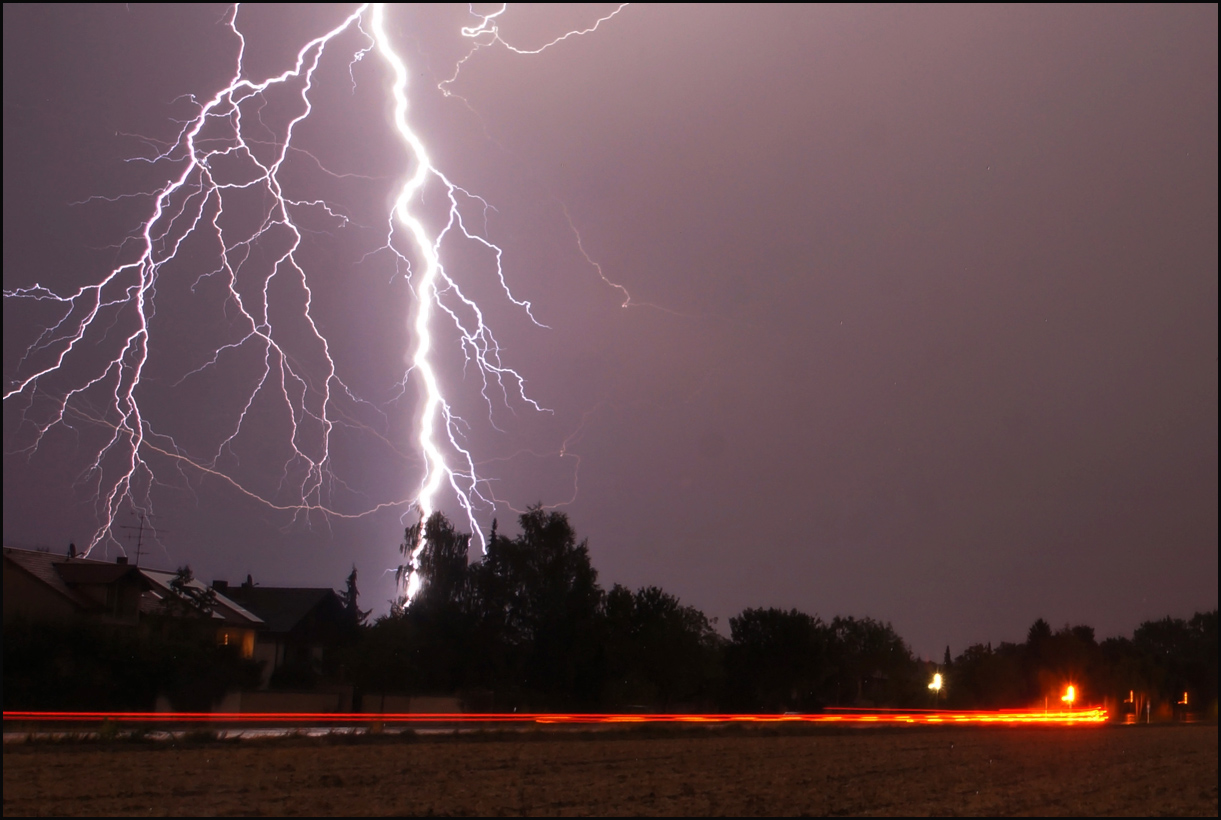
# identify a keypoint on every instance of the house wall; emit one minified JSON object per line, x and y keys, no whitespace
{"x":296,"y":702}
{"x":381,"y":704}
{"x":243,"y":639}
{"x":267,"y":652}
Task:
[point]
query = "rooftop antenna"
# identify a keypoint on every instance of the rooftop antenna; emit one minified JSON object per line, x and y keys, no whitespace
{"x":139,"y":531}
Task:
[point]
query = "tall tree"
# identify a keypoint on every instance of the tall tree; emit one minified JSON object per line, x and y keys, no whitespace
{"x":356,"y":616}
{"x":539,"y":594}
{"x":441,"y":565}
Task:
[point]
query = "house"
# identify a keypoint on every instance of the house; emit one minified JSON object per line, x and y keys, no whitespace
{"x":300,"y":625}
{"x":174,"y":596}
{"x":41,"y":586}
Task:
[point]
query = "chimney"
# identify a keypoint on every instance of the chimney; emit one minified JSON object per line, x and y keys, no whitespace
{"x":122,"y":559}
{"x":220,"y":585}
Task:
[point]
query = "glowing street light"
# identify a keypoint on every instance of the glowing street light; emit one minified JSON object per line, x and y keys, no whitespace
{"x":1070,"y":696}
{"x":936,"y":686}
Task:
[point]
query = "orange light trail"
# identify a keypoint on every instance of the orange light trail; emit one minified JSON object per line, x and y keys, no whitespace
{"x":1008,"y":718}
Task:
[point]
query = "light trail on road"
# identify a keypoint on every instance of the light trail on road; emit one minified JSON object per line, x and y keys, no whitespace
{"x":1013,"y":717}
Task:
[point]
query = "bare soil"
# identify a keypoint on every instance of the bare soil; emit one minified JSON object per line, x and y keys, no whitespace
{"x":1139,"y":770}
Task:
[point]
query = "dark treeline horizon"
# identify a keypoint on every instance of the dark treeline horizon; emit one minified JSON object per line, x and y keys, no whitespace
{"x":529,"y":628}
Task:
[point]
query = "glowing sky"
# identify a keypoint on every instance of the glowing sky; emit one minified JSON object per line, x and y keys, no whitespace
{"x":935,"y":336}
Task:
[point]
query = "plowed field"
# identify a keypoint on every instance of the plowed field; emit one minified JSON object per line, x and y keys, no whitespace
{"x":1080,"y":771}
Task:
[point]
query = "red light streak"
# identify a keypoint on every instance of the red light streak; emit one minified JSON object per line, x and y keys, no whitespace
{"x":1017,"y":717}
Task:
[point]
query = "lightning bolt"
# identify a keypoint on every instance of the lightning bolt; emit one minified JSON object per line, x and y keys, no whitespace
{"x":230,"y":158}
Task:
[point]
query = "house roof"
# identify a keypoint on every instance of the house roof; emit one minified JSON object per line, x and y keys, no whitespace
{"x":62,"y":574}
{"x":282,"y":608}
{"x":42,"y":566}
{"x":224,"y":608}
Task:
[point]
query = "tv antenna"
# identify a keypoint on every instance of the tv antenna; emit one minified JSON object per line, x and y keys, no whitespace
{"x":139,"y":532}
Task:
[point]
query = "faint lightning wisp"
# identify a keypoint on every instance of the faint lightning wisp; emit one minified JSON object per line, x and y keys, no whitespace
{"x":627,"y":297}
{"x":487,"y":33}
{"x":628,"y":301}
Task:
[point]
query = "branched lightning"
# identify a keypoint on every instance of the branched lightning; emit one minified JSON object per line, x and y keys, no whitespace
{"x":223,"y":161}
{"x":218,"y":161}
{"x":486,"y":34}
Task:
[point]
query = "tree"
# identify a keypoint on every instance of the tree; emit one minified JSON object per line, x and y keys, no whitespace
{"x":989,"y":679}
{"x":441,"y":565}
{"x":428,"y":643}
{"x":1184,"y":653}
{"x":190,"y":598}
{"x":537,"y":596}
{"x":869,"y":661}
{"x":525,"y":621}
{"x":355,"y":614}
{"x":658,"y":652}
{"x":1040,"y":632}
{"x":776,"y":660}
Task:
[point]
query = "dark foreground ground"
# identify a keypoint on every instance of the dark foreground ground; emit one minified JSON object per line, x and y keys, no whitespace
{"x":1079,"y":771}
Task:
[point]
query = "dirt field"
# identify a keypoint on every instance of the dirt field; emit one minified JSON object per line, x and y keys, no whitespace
{"x":1111,"y":770}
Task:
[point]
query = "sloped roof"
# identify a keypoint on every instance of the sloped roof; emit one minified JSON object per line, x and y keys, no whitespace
{"x":225,"y":609}
{"x":61,"y":574}
{"x":42,"y":566}
{"x":282,"y":608}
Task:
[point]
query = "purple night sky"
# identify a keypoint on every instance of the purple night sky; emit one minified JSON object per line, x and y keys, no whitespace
{"x":924,"y":320}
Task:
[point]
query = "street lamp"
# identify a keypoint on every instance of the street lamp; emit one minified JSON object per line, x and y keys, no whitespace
{"x":1070,"y":696}
{"x":936,"y":686}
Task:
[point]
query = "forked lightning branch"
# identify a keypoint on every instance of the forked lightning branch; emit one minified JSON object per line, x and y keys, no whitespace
{"x":219,"y":157}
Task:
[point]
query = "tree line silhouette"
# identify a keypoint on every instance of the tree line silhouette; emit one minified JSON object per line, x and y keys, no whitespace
{"x":530,"y":628}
